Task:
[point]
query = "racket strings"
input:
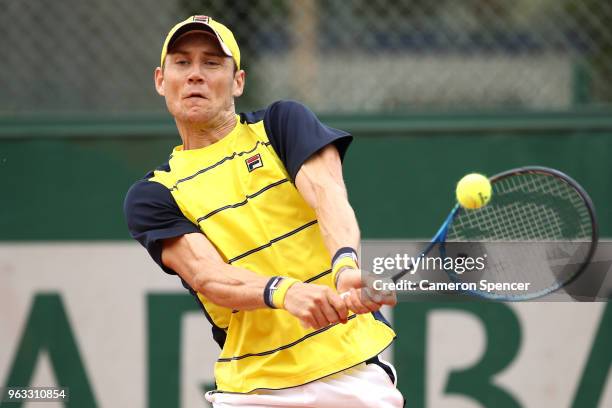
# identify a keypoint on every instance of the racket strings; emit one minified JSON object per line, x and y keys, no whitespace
{"x":558,"y":189}
{"x":527,"y":207}
{"x":533,"y":228}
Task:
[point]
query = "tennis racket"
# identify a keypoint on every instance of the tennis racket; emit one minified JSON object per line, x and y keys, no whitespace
{"x":539,"y":227}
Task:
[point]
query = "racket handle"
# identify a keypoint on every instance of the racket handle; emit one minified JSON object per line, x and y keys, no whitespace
{"x":374,"y":295}
{"x":399,"y":275}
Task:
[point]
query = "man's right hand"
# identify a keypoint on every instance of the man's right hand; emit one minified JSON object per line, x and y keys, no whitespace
{"x":350,"y":281}
{"x":316,"y":306}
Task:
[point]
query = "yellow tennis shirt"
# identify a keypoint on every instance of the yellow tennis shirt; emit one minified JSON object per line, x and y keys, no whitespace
{"x":239,"y":192}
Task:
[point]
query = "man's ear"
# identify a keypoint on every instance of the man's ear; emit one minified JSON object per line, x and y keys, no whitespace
{"x":158,"y":77}
{"x":238,"y":86}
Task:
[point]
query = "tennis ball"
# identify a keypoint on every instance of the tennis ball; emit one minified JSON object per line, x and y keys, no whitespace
{"x":473,"y":191}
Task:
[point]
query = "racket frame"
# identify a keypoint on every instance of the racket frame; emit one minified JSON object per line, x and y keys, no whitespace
{"x":440,"y":237}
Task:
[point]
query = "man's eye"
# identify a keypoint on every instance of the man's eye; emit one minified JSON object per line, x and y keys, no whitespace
{"x":212,"y":63}
{"x":182,"y":62}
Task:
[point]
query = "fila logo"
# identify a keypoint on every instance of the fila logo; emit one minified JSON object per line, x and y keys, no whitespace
{"x":254,"y":162}
{"x":201,"y":19}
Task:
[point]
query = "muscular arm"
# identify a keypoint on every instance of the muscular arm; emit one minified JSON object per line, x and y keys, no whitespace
{"x":197,"y":261}
{"x":320,"y":182}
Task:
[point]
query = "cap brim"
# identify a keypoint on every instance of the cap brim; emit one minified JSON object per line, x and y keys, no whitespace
{"x":197,"y":26}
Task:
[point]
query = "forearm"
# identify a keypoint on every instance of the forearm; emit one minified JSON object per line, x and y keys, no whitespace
{"x":196,"y":260}
{"x":336,"y":218}
{"x":321,"y":184}
{"x":232,"y":287}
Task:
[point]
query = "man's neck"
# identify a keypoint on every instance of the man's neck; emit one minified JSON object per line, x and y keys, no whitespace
{"x":198,"y":135}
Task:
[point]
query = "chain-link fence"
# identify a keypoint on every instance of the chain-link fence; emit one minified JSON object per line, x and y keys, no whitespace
{"x":338,"y":56}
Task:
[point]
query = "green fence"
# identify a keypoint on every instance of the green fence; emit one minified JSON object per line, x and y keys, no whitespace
{"x":335,"y":55}
{"x":68,"y":180}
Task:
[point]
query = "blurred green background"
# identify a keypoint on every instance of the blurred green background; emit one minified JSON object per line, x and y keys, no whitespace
{"x":400,"y":182}
{"x":432,"y":90}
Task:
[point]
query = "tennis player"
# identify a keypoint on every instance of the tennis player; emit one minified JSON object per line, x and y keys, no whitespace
{"x":252,"y":214}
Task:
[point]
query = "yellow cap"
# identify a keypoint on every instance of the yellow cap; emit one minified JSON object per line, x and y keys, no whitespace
{"x":224,"y":36}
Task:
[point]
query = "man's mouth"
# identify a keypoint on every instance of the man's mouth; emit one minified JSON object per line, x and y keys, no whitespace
{"x":195,"y":95}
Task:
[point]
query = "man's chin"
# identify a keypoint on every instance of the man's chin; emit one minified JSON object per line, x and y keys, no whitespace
{"x":194,"y":117}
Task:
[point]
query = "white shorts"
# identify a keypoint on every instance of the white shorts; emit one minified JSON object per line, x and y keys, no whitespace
{"x":363,"y":386}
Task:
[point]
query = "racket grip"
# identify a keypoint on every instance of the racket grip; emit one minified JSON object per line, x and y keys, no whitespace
{"x":373,"y":294}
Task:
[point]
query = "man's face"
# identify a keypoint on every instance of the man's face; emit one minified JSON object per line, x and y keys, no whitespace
{"x":198,"y":79}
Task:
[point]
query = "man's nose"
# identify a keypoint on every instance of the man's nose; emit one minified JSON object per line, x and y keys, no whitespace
{"x":195,"y":74}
